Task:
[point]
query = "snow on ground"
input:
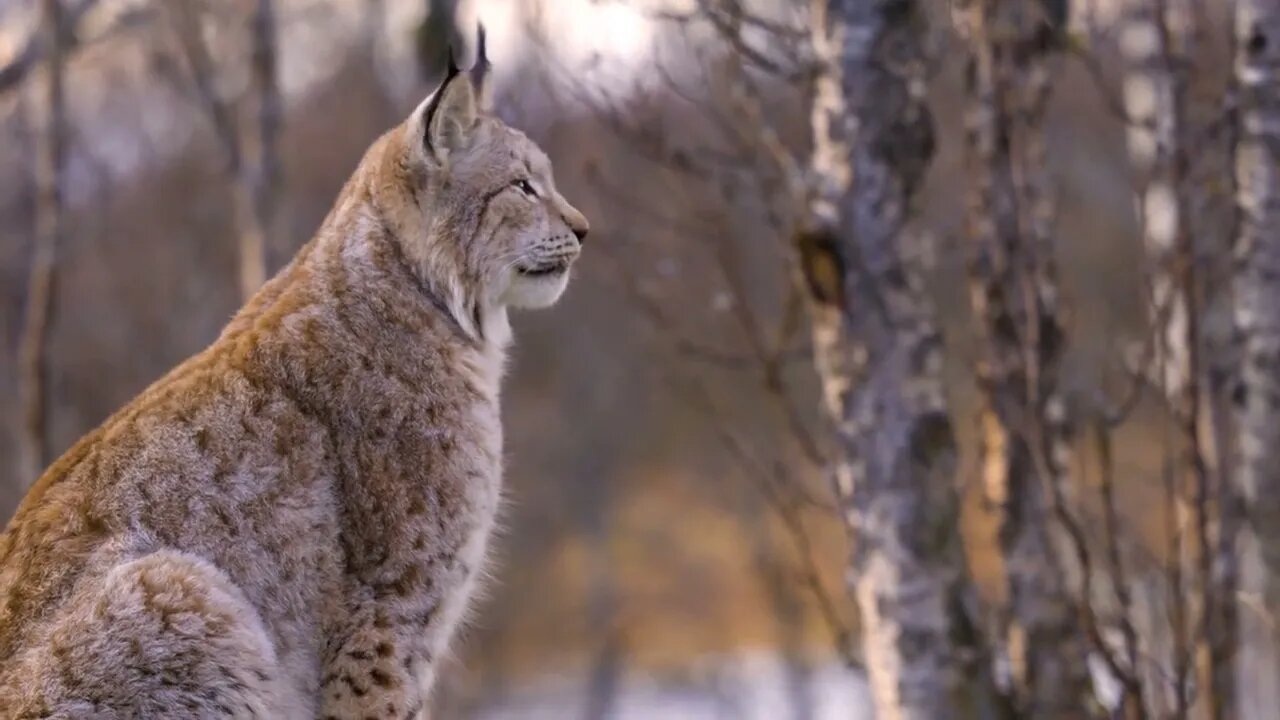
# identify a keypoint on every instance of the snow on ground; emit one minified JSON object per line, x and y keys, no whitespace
{"x":754,"y":686}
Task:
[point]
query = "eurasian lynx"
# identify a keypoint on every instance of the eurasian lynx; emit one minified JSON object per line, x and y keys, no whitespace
{"x":290,"y":524}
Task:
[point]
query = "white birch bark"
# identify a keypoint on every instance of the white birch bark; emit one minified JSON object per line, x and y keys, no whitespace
{"x":1155,"y":116}
{"x":879,"y":355}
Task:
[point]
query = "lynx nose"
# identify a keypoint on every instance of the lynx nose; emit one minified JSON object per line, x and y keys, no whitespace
{"x":577,"y":222}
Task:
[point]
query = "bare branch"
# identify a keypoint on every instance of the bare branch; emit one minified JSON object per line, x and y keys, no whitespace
{"x":39,"y":46}
{"x":253,"y":180}
{"x":770,"y":481}
{"x":185,"y":21}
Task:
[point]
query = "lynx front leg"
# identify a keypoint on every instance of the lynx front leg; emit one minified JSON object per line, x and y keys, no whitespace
{"x":381,"y":670}
{"x":404,"y":609}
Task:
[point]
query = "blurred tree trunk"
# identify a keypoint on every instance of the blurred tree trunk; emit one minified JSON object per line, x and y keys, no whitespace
{"x":435,"y":37}
{"x":605,"y":679}
{"x":368,"y":53}
{"x":249,"y":155}
{"x":592,"y":512}
{"x":1155,"y":41}
{"x":1026,"y":431}
{"x":879,"y":356}
{"x":608,"y":665}
{"x":1257,"y":74}
{"x":255,"y":173}
{"x":264,"y":91}
{"x":50,"y":151}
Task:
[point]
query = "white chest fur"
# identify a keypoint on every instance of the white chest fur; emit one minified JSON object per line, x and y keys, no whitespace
{"x":487,"y":365}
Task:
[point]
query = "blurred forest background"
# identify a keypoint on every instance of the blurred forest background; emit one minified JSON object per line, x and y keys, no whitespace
{"x":924,"y":361}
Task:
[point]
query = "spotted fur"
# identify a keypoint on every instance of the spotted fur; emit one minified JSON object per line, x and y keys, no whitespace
{"x":290,"y":524}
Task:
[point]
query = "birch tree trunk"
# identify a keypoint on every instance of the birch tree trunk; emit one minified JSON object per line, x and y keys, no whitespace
{"x":1154,"y":100}
{"x":1155,"y":43}
{"x":1025,"y":427}
{"x":879,"y":355}
{"x":1257,"y":73}
{"x":50,"y":150}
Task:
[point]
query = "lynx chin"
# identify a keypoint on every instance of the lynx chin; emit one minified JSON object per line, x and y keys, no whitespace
{"x":291,"y":523}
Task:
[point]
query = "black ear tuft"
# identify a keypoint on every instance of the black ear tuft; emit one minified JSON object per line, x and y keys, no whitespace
{"x":482,"y":52}
{"x":453,"y":70}
{"x":433,"y":105}
{"x":480,"y":70}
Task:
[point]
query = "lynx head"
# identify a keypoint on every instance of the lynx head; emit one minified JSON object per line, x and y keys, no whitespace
{"x":486,"y":226}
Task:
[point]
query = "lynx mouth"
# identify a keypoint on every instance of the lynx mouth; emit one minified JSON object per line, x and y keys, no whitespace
{"x":548,"y":269}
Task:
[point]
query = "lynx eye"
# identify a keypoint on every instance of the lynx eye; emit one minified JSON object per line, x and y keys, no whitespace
{"x":525,"y":187}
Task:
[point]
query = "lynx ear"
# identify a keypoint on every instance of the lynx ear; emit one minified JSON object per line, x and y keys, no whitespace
{"x":447,"y":118}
